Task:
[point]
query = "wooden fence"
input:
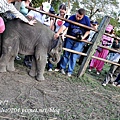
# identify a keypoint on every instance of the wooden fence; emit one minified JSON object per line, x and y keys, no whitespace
{"x":93,"y":45}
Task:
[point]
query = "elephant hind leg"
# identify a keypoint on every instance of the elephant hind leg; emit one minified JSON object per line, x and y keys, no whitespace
{"x":32,"y":71}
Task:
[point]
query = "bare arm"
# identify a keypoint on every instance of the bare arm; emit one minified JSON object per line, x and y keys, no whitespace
{"x":59,"y":31}
{"x":4,"y":6}
{"x":85,"y":35}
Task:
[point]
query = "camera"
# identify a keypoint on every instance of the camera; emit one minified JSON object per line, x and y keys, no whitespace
{"x":77,"y":33}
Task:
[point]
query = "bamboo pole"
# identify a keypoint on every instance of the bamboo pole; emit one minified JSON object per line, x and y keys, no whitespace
{"x":84,"y":54}
{"x":112,"y":36}
{"x":78,"y":24}
{"x":108,"y":61}
{"x":70,"y":21}
{"x":73,"y":51}
{"x":74,"y":38}
{"x":109,"y":48}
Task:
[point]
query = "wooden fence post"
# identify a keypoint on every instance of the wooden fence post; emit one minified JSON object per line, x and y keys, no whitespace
{"x":96,"y":40}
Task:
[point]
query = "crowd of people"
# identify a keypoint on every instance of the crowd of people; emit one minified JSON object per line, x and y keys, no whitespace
{"x":18,"y":9}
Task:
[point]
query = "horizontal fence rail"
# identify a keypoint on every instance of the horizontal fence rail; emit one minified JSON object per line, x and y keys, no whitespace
{"x":70,"y":21}
{"x":74,"y":38}
{"x":78,"y":24}
{"x":84,"y":54}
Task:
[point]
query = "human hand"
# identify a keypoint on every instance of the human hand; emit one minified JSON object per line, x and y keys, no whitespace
{"x":63,"y":37}
{"x":56,"y":36}
{"x":32,"y":22}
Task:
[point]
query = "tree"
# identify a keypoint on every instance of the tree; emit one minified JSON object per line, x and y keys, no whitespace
{"x":37,"y":3}
{"x":106,"y":7}
{"x":75,"y":7}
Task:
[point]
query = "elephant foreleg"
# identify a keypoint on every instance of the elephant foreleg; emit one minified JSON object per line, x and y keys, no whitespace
{"x":41,"y":63}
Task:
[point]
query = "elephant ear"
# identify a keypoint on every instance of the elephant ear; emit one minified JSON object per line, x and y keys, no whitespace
{"x":55,"y":53}
{"x":59,"y":44}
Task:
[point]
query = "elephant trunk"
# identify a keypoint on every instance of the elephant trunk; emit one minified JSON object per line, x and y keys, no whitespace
{"x":54,"y":59}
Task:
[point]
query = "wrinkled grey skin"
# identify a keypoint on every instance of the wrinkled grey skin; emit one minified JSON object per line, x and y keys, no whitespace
{"x":22,"y":38}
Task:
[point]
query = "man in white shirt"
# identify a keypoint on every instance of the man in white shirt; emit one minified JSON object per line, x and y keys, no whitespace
{"x":37,"y":15}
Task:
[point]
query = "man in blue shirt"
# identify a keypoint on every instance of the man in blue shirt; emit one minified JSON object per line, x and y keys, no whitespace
{"x":70,"y":58}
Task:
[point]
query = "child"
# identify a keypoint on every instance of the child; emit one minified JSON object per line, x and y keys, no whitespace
{"x":101,"y":52}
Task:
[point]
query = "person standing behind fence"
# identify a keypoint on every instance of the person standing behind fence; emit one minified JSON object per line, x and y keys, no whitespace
{"x":73,"y":30}
{"x":55,"y":26}
{"x":94,"y":25}
{"x":116,"y":46}
{"x":24,"y":4}
{"x":101,"y":52}
{"x":113,"y":71}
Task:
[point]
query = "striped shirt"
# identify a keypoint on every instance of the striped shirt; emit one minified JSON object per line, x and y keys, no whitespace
{"x":5,"y":6}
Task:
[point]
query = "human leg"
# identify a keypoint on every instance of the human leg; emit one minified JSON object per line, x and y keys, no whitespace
{"x":66,"y":54}
{"x":73,"y":57}
{"x":109,"y":77}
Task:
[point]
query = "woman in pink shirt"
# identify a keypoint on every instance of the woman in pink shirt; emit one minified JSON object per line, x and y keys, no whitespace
{"x":101,"y":52}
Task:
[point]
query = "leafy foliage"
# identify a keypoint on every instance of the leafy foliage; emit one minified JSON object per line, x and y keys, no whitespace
{"x":37,"y":3}
{"x":118,"y":33}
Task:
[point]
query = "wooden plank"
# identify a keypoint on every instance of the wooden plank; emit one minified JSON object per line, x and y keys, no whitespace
{"x":105,"y":47}
{"x":76,"y":23}
{"x":117,"y":51}
{"x":96,"y":41}
{"x":108,"y":61}
{"x":75,"y":52}
{"x":112,"y":36}
{"x":70,"y":21}
{"x":84,"y":54}
{"x":74,"y":38}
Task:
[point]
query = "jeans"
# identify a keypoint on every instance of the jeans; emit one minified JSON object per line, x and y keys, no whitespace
{"x":70,"y":58}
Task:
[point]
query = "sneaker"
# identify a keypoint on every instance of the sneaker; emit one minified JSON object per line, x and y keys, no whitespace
{"x":114,"y":84}
{"x":118,"y":85}
{"x":104,"y":84}
{"x":50,"y":70}
{"x":62,"y":71}
{"x":17,"y":58}
{"x":56,"y":69}
{"x":68,"y":74}
{"x":98,"y":73}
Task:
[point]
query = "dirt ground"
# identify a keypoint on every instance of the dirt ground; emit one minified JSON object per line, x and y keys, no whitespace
{"x":56,"y":98}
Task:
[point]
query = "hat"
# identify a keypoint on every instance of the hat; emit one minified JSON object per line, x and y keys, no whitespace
{"x":95,"y":23}
{"x":109,"y":28}
{"x":46,"y":6}
{"x":2,"y":25}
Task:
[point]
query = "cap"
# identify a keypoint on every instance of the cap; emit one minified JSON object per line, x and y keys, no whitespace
{"x":109,"y":28}
{"x":95,"y":22}
{"x":2,"y":25}
{"x":46,"y":6}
